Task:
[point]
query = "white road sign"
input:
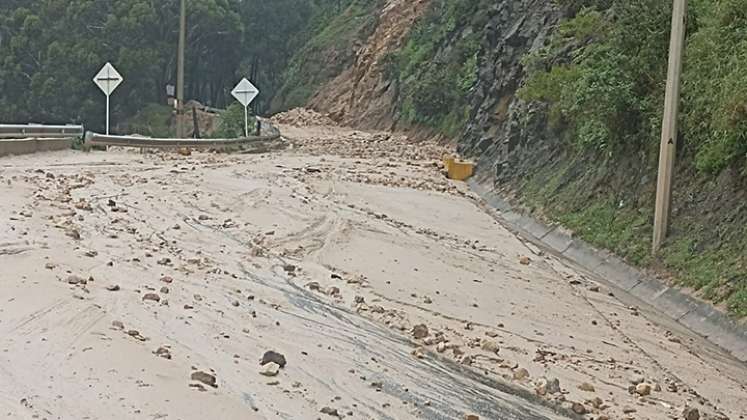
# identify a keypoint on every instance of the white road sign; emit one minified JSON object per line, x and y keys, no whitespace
{"x":108,"y":79}
{"x":245,"y":92}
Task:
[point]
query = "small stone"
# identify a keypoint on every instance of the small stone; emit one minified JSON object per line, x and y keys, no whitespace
{"x":118,"y":325}
{"x":273,"y":357}
{"x":113,"y":288}
{"x":49,"y":266}
{"x":579,"y":408}
{"x":471,"y":417}
{"x":418,"y":353}
{"x":314,"y":286}
{"x":333,"y":291}
{"x":330,"y":411}
{"x":441,"y":347}
{"x":203,"y":217}
{"x":359,"y":299}
{"x":586,"y":387}
{"x":521,"y":374}
{"x":594,"y":289}
{"x":151,"y":297}
{"x":420,"y":331}
{"x":553,"y":386}
{"x":643,"y":389}
{"x":490,"y":346}
{"x":690,"y":413}
{"x":629,"y":410}
{"x":165,"y":290}
{"x":164,"y":261}
{"x":163,"y":352}
{"x":205,"y":378}
{"x":235,"y":303}
{"x":167,"y":279}
{"x":271,"y":369}
{"x":524,"y":260}
{"x":74,"y":280}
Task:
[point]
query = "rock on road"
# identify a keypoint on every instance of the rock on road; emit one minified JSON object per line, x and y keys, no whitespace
{"x":344,"y":277}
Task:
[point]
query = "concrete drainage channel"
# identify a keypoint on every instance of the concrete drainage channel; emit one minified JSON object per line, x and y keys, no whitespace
{"x":697,"y":316}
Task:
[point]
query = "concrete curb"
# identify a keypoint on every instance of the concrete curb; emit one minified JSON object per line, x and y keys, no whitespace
{"x":696,"y":315}
{"x":28,"y":146}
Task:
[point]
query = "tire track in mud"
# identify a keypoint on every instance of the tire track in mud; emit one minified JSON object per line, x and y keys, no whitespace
{"x":440,"y":380}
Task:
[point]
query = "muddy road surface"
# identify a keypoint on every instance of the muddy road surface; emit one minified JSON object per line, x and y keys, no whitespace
{"x":343,"y":277}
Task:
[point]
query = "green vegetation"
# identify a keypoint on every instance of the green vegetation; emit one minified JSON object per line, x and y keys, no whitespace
{"x":434,"y":83}
{"x":50,"y":50}
{"x":231,"y":123}
{"x":605,"y":99}
{"x":153,"y":121}
{"x":331,"y":34}
{"x":607,"y":94}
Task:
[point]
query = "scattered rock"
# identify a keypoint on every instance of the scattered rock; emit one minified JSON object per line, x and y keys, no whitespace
{"x":330,"y":411}
{"x":270,"y":369}
{"x":553,"y":386}
{"x":314,"y":286}
{"x":524,"y":260}
{"x":490,"y":346}
{"x":420,"y":331}
{"x":151,"y":297}
{"x":586,"y":387}
{"x":273,"y":357}
{"x":579,"y":408}
{"x":205,"y":378}
{"x":163,"y":352}
{"x":113,"y":288}
{"x":521,"y":374}
{"x":690,"y":413}
{"x":418,"y":353}
{"x":643,"y":389}
{"x":75,"y":280}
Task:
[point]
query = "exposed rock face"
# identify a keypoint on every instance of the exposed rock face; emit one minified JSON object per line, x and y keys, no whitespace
{"x":361,"y":96}
{"x":502,"y":124}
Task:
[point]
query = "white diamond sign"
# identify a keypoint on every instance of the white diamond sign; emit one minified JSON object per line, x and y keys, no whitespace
{"x":245,"y":92}
{"x":108,"y":79}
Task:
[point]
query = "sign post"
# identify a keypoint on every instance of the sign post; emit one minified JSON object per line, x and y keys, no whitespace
{"x":245,"y":92}
{"x":108,"y":79}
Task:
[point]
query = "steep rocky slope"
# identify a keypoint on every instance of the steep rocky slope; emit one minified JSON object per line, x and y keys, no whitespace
{"x":455,"y":68}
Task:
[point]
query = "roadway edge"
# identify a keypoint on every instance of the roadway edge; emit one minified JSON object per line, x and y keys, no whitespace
{"x":694,"y":314}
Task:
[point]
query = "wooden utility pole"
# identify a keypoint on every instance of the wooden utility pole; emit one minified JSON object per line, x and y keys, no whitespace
{"x":669,"y":128}
{"x":180,"y":70}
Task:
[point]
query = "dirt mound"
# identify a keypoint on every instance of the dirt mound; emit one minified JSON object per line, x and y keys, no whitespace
{"x":302,"y":117}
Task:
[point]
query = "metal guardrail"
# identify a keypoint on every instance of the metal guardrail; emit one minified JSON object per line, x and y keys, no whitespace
{"x":101,"y":140}
{"x":19,"y":131}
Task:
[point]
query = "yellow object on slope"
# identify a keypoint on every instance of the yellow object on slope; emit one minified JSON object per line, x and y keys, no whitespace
{"x":458,"y":170}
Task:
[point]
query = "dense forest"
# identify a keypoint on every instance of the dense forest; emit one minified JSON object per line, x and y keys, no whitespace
{"x":51,"y":49}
